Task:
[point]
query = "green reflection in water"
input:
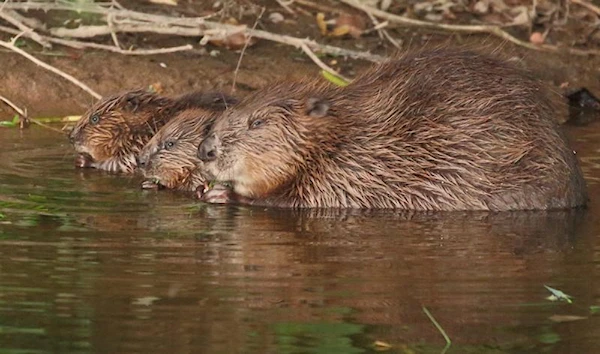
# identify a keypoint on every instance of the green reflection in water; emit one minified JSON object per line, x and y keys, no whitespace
{"x":317,"y":337}
{"x":21,"y":330}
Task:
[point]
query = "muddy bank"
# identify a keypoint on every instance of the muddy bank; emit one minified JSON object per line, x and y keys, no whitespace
{"x":45,"y":94}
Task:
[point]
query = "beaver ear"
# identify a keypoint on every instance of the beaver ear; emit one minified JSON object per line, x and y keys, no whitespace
{"x":317,"y":107}
{"x":132,"y":103}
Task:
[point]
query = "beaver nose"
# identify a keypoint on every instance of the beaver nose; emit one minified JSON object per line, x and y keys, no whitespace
{"x":207,"y":151}
{"x":71,"y":138}
{"x":141,"y":161}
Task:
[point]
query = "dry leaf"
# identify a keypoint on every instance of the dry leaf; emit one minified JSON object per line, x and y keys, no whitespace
{"x":156,"y":87}
{"x":321,"y":23}
{"x":345,"y":24}
{"x":354,"y":23}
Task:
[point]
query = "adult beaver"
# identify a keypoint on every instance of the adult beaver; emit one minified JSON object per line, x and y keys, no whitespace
{"x":434,"y":130}
{"x":169,"y":159}
{"x":111,"y":133}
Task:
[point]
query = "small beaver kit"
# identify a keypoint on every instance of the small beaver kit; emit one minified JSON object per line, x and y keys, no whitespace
{"x":110,"y":135}
{"x":433,"y":130}
{"x":169,"y":159}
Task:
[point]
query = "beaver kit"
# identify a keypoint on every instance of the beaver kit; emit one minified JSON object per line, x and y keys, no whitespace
{"x":435,"y":130}
{"x":110,"y":135}
{"x":169,"y":158}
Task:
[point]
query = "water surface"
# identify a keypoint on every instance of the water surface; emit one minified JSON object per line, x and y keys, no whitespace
{"x":90,"y":263}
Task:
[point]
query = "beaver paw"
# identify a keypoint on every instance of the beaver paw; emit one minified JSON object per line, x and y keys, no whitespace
{"x":84,"y":161}
{"x":151,"y":184}
{"x":218,"y":194}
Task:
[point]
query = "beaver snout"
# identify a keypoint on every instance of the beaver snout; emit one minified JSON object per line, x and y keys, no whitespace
{"x":207,"y":151}
{"x":141,"y":161}
{"x":72,"y":136}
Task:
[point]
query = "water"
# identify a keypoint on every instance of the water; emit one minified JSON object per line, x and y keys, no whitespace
{"x":90,"y":263}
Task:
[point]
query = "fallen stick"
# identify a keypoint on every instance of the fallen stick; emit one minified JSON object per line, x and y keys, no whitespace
{"x":13,"y":106}
{"x":11,"y":46}
{"x":15,"y":22}
{"x":82,"y":45}
{"x":214,"y":31}
{"x":587,"y":5}
{"x":23,"y":113}
{"x":136,"y":22}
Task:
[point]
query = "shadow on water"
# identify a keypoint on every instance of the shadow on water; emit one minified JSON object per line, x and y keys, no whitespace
{"x":90,"y":263}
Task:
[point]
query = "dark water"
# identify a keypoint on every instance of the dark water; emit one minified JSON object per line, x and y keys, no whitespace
{"x":89,"y":263}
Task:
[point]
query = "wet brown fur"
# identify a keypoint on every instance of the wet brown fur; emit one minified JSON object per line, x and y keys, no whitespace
{"x":169,"y":158}
{"x":434,"y":130}
{"x":127,"y":121}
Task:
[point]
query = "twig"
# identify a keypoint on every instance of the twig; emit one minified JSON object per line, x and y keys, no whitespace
{"x":587,"y":5}
{"x":286,"y":6}
{"x":110,"y":48}
{"x":13,"y":106}
{"x":113,"y":35}
{"x":46,"y":66}
{"x":248,"y":38}
{"x":493,"y":30}
{"x":23,"y":114}
{"x":12,"y":20}
{"x":46,"y":125}
{"x":439,"y":328}
{"x":322,"y":65}
{"x":382,"y":32}
{"x":318,"y":7}
{"x":116,"y":4}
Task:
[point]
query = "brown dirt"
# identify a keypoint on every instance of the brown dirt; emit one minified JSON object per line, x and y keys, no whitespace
{"x":45,"y":94}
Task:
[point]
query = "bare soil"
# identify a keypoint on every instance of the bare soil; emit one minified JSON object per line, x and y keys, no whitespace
{"x":46,"y":94}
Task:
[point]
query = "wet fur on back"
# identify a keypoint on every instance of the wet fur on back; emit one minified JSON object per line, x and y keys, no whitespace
{"x":113,"y":131}
{"x":435,"y":130}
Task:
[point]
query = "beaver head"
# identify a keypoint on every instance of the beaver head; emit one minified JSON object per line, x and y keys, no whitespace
{"x":114,"y":129}
{"x":110,"y":134}
{"x":267,"y":139}
{"x":169,"y":158}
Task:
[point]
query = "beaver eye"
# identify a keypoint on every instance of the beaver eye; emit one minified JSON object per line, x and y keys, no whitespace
{"x":94,"y":119}
{"x":256,"y":123}
{"x":169,"y":144}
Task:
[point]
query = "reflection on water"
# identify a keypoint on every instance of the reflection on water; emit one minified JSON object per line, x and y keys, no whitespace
{"x":91,"y":263}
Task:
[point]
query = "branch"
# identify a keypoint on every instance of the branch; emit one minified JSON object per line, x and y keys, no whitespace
{"x":588,"y":6}
{"x":23,"y":114}
{"x":213,"y":30}
{"x":31,"y":34}
{"x":81,"y":45}
{"x":11,"y":46}
{"x":13,"y":106}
